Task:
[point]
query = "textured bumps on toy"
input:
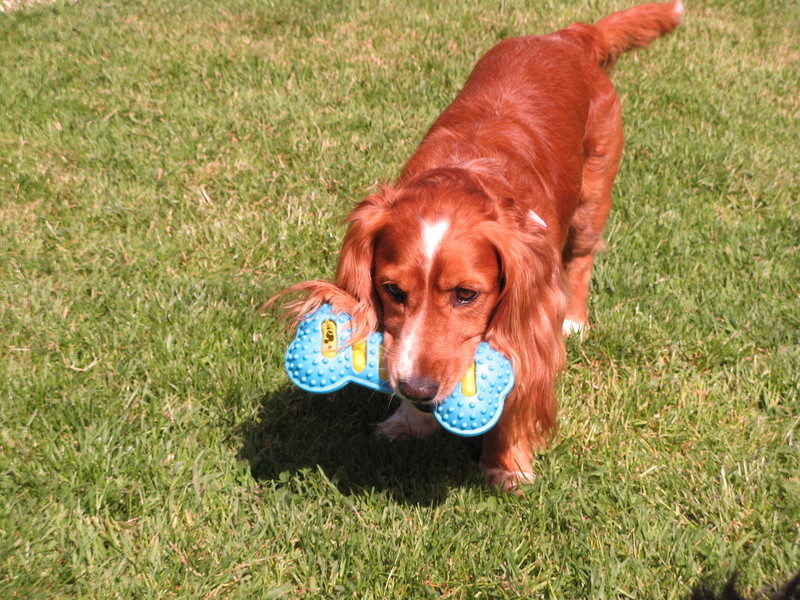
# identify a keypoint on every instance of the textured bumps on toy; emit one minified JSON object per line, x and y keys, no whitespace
{"x":321,"y":359}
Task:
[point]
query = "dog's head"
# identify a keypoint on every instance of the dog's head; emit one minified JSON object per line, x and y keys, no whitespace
{"x":442,"y":263}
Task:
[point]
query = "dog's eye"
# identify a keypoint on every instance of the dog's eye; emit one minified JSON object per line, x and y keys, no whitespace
{"x":395,"y":293}
{"x":465,"y":296}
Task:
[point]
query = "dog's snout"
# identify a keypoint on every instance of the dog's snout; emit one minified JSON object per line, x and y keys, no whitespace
{"x":418,"y":389}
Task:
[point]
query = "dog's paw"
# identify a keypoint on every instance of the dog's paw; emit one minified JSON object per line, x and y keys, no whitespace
{"x":407,"y":422}
{"x":570,"y":327}
{"x":509,"y":481}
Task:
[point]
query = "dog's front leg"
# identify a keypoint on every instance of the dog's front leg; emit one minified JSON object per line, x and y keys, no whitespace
{"x":506,"y":461}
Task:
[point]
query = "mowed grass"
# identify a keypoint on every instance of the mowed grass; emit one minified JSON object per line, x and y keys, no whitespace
{"x":165,"y":166}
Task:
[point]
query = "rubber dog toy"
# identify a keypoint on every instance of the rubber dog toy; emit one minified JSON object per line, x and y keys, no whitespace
{"x":321,"y":360}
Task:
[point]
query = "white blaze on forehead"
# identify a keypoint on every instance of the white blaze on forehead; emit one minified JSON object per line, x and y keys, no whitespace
{"x":410,"y":341}
{"x":432,"y":234}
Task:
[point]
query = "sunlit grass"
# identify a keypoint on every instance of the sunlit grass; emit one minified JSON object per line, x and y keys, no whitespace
{"x":166,"y":166}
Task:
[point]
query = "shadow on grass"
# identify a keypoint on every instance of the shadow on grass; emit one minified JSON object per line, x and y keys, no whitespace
{"x":294,"y":431}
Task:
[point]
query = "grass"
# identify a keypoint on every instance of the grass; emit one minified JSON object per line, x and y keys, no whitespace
{"x":167,"y":165}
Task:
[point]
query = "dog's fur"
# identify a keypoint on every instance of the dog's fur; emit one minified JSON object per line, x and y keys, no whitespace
{"x":490,"y":230}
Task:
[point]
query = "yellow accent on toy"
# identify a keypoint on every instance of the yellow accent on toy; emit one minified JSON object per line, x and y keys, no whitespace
{"x":330,"y":341}
{"x":360,"y":356}
{"x":468,"y":387}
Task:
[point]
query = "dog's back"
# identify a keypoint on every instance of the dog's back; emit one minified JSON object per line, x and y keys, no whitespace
{"x":531,"y":98}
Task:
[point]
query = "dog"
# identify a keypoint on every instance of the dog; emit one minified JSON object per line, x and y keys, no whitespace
{"x":490,"y":230}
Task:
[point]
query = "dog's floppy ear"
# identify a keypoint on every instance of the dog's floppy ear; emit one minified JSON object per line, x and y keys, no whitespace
{"x":526,"y":324}
{"x":354,"y":274}
{"x":352,"y":292}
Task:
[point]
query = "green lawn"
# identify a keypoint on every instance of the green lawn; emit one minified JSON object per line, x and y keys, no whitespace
{"x":165,"y":166}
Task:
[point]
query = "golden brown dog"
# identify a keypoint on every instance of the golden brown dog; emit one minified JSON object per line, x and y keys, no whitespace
{"x":489,"y":232}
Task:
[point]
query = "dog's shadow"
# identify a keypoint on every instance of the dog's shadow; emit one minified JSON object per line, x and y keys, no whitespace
{"x":294,"y":432}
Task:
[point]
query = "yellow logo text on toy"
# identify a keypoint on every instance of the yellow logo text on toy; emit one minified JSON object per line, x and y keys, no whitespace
{"x":468,"y":387}
{"x":360,"y":356}
{"x":330,"y":339}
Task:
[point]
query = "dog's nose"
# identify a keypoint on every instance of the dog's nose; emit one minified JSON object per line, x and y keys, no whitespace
{"x":418,"y":389}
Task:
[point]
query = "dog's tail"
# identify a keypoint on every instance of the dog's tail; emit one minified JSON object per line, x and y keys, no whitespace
{"x":627,"y":29}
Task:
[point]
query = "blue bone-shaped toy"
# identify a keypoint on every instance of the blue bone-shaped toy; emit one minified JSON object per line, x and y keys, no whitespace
{"x":320,"y":360}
